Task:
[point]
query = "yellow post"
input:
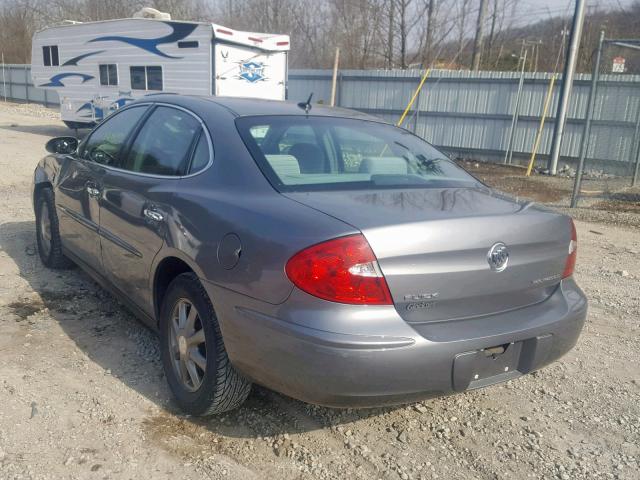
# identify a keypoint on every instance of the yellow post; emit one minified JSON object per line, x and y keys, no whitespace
{"x":536,"y":145}
{"x":413,"y":99}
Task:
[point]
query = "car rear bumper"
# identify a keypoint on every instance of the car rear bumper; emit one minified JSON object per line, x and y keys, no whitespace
{"x":354,"y":356}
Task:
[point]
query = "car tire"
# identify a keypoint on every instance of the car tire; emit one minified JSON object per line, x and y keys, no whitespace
{"x":48,"y":232}
{"x":190,"y":341}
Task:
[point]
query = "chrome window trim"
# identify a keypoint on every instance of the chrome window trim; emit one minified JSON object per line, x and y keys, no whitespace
{"x":172,"y":177}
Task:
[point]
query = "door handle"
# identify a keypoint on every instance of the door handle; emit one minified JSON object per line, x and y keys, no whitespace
{"x":153,"y":214}
{"x":93,"y":191}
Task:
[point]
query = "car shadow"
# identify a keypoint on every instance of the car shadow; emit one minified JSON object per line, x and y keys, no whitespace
{"x":123,"y":347}
{"x":45,"y":130}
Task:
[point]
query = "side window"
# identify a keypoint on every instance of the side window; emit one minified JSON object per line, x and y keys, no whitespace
{"x":146,"y":78}
{"x":104,"y":144}
{"x":164,"y":144}
{"x":109,"y":74}
{"x":201,"y":154}
{"x":50,"y":56}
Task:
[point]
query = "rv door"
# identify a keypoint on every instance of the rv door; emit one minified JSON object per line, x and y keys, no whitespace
{"x":249,"y":72}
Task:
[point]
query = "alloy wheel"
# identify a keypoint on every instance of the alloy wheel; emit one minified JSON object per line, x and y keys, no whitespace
{"x":187,"y":345}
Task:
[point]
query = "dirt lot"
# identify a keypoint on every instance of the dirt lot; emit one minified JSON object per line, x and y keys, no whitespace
{"x":82,"y":394}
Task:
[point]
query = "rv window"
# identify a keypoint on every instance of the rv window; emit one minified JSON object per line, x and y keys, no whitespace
{"x":154,"y":78}
{"x":164,"y":144}
{"x":55,"y":61}
{"x":50,"y":56}
{"x":138,"y":78}
{"x":109,"y":74}
{"x":189,"y":44}
{"x":146,"y":78}
{"x":46,"y":55}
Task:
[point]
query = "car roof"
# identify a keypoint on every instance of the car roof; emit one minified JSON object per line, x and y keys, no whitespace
{"x":241,"y":107}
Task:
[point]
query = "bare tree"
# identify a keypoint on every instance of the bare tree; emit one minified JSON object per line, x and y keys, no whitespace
{"x":477,"y":44}
{"x":369,"y":33}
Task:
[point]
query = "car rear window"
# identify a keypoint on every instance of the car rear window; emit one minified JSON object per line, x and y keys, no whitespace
{"x":304,"y":153}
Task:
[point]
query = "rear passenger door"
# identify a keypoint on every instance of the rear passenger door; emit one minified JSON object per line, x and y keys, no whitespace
{"x":137,"y":197}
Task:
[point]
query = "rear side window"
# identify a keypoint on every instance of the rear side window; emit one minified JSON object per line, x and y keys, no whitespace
{"x":106,"y":141}
{"x":201,"y":154}
{"x":109,"y":74}
{"x":146,"y":78}
{"x":50,"y":56}
{"x":164,"y":144}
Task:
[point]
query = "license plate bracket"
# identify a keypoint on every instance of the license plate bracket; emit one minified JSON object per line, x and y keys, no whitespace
{"x":486,"y":366}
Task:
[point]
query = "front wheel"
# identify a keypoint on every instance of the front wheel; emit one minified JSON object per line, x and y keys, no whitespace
{"x":195,"y":361}
{"x":48,"y":232}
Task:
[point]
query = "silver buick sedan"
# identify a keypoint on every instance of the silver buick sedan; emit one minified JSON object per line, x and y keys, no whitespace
{"x":319,"y":252}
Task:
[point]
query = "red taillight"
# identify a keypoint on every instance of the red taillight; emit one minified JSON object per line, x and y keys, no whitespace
{"x":573,"y":253}
{"x":342,"y":270}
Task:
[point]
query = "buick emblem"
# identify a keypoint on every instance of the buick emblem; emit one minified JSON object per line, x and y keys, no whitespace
{"x":498,"y":257}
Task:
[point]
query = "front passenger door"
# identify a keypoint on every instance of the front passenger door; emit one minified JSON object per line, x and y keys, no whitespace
{"x":80,"y":186}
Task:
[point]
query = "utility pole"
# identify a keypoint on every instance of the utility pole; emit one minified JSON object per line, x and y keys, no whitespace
{"x":567,"y":83}
{"x":477,"y":45}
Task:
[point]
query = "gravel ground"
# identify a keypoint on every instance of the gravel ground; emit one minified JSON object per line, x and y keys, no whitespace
{"x":82,"y":394}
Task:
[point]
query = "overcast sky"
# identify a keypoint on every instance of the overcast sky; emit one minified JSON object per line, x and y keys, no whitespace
{"x":527,"y":10}
{"x":561,"y":5}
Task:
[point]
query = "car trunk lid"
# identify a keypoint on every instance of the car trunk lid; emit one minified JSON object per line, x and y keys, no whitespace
{"x":432,"y":246}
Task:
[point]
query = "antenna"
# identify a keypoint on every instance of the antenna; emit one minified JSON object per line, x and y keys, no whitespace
{"x":306,"y":106}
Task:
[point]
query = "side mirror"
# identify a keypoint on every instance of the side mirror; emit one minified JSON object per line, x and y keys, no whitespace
{"x":62,"y":145}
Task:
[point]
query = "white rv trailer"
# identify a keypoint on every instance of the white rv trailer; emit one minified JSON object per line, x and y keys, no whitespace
{"x":97,"y":67}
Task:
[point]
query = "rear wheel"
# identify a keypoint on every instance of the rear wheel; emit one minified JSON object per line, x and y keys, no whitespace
{"x":48,"y":233}
{"x":195,"y":361}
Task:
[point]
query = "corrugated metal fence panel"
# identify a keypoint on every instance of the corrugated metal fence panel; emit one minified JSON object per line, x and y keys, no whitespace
{"x":472,"y":111}
{"x":17,"y":79}
{"x":459,"y":110}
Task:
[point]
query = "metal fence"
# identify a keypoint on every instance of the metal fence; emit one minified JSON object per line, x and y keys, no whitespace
{"x":15,"y":84}
{"x":468,"y":114}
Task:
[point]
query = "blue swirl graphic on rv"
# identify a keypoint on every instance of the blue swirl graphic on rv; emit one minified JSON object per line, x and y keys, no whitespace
{"x":98,"y":112}
{"x":74,"y":61}
{"x":56,"y":80}
{"x":93,"y":110}
{"x":180,"y":31}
